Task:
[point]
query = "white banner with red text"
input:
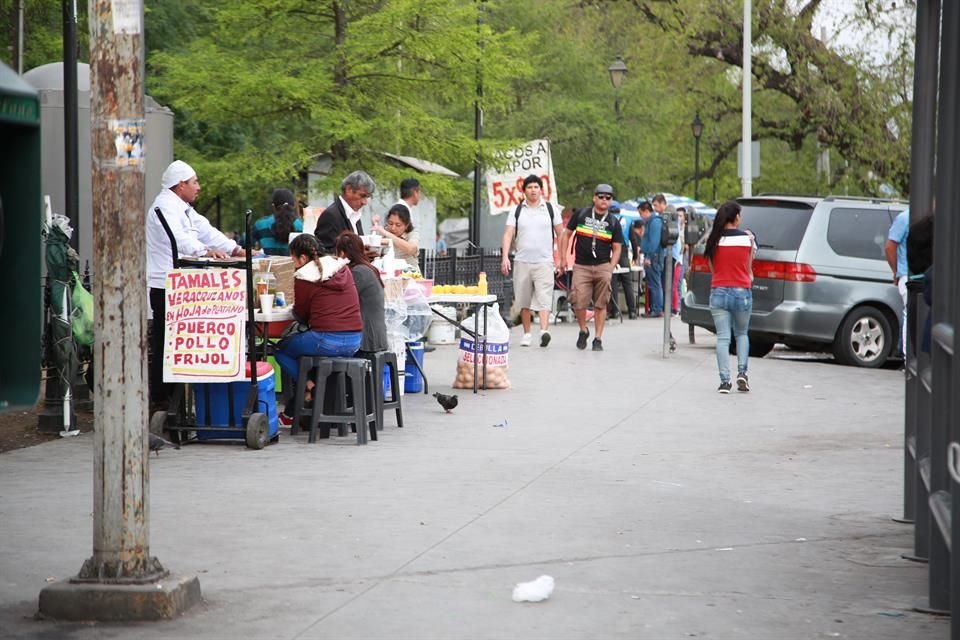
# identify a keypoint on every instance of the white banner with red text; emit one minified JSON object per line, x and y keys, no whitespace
{"x":510,"y":167}
{"x":206,"y":318}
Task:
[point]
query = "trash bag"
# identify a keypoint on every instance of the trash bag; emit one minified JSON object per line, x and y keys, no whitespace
{"x":495,"y":354}
{"x":62,"y":261}
{"x":81,"y":313}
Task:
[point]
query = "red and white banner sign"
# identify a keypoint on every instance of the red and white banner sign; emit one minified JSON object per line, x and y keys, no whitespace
{"x":205,"y":338}
{"x":505,"y":178}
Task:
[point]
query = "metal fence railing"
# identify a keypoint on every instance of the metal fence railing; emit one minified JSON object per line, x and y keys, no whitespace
{"x":463,"y":266}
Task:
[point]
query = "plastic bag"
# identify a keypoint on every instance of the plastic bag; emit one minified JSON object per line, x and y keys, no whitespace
{"x":496,"y":354}
{"x":418,"y":313}
{"x":81,"y":313}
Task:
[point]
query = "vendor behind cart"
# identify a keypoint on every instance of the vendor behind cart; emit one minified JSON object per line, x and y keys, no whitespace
{"x":195,"y":236}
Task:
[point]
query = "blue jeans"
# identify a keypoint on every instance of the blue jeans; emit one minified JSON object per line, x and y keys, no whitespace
{"x":654,"y":274}
{"x":730,"y":308}
{"x":315,"y":343}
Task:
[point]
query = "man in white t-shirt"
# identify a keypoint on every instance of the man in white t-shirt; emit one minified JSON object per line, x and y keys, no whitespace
{"x":535,"y":224}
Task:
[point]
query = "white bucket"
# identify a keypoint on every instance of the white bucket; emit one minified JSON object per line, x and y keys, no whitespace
{"x":441,"y":331}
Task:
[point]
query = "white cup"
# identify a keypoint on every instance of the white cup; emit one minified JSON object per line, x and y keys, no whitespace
{"x":266,"y":302}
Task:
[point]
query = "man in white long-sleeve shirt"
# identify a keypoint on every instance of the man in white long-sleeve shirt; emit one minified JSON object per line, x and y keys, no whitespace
{"x":194,"y":235}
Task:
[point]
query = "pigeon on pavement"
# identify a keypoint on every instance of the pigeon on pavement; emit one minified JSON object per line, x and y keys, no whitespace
{"x":157,"y":443}
{"x":447,"y":402}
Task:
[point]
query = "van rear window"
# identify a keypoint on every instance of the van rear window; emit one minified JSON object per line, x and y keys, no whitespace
{"x":776,"y":224}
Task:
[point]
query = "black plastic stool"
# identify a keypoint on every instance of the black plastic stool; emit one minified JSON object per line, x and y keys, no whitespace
{"x":379,"y":360}
{"x":357,"y":374}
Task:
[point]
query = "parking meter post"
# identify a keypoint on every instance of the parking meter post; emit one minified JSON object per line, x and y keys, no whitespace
{"x":121,"y":580}
{"x":667,"y":299}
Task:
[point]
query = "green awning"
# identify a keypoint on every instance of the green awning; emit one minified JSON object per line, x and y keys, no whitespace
{"x":19,"y":103}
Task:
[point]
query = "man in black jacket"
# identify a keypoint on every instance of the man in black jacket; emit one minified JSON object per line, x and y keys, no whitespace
{"x":344,"y":212}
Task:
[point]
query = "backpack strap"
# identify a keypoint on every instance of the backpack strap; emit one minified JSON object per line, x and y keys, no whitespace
{"x":516,"y":219}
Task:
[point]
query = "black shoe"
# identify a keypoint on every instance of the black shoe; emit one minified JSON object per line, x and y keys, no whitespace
{"x":427,"y":348}
{"x":724,"y":387}
{"x":633,"y":315}
{"x":597,"y":344}
{"x":651,"y":315}
{"x":582,"y":339}
{"x":743,"y":384}
{"x":544,"y":338}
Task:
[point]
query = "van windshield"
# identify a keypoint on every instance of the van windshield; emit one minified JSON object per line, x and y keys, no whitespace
{"x":776,"y":224}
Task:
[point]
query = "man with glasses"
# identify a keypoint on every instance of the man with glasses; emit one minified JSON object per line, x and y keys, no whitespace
{"x":597,"y":240}
{"x":344,"y":213}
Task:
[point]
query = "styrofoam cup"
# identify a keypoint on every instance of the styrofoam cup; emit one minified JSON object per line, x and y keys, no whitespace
{"x":266,"y":301}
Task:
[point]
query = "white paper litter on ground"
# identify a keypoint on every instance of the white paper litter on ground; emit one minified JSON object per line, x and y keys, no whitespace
{"x":536,"y":591}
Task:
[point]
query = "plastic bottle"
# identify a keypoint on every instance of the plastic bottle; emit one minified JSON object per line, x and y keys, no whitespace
{"x":482,"y":283}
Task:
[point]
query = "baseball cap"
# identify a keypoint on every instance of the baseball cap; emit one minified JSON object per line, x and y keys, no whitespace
{"x":603,"y":188}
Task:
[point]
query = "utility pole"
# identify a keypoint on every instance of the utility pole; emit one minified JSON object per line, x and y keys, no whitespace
{"x":20,"y":37}
{"x":70,"y":126}
{"x":747,"y":132}
{"x":121,"y":580}
{"x":477,"y":133}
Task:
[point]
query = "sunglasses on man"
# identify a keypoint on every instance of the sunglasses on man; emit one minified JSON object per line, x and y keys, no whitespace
{"x":604,"y":196}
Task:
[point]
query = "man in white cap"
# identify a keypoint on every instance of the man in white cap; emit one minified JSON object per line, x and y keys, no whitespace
{"x":194,"y":235}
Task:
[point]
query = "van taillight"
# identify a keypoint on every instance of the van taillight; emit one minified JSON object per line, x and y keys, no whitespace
{"x":701,"y":264}
{"x":788,"y":271}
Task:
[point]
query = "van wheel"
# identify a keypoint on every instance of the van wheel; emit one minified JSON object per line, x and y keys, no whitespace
{"x":865,"y":338}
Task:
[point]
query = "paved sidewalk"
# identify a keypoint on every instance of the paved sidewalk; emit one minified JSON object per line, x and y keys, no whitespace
{"x":661,"y":508}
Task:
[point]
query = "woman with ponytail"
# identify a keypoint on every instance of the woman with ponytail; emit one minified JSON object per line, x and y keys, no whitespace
{"x":325,"y":299}
{"x":273,"y":231}
{"x":730,"y":252}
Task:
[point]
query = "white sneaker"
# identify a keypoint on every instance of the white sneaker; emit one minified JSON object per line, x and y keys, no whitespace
{"x":526,"y":339}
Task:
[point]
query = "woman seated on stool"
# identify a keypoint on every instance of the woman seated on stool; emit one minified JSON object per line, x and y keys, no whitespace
{"x":325,"y":299}
{"x":370,"y":289}
{"x":406,"y":241}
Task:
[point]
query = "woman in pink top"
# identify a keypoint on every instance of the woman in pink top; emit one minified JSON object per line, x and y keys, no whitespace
{"x":730,"y":252}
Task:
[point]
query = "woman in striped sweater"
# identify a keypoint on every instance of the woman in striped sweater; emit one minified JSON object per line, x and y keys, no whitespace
{"x":730,"y":252}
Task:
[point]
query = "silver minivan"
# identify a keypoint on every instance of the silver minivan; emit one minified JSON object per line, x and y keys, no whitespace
{"x":820,"y":277}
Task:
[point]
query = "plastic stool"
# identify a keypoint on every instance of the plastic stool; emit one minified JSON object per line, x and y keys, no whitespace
{"x":378,"y":361}
{"x":357,"y":373}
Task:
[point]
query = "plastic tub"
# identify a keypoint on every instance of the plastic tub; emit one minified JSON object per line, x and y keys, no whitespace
{"x":219,"y":397}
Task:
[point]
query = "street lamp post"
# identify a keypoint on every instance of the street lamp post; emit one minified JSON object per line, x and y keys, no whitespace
{"x":697,"y":128}
{"x":617,"y":71}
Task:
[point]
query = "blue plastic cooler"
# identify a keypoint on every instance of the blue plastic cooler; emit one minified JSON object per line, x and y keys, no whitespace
{"x":412,"y":380}
{"x":220,"y":407}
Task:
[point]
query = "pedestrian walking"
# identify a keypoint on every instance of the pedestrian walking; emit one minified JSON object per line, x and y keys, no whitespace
{"x":730,"y":252}
{"x":622,"y":279}
{"x":653,"y":255}
{"x":895,"y":250}
{"x":597,"y":241}
{"x":534,"y":225}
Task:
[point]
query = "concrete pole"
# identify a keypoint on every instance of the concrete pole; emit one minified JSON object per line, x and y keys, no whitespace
{"x":121,"y":474}
{"x":121,"y":485}
{"x":747,"y":134}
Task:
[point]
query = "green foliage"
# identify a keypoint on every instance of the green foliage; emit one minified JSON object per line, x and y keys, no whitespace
{"x":262,"y":87}
{"x":275,"y":83}
{"x":43,"y":32}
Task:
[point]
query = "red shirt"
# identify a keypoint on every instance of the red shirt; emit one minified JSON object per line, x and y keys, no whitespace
{"x":731,"y":260}
{"x":332,"y":305}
